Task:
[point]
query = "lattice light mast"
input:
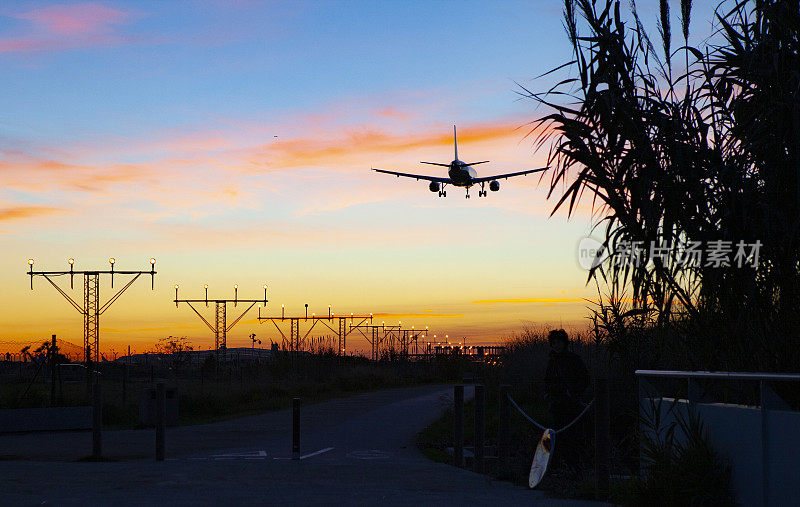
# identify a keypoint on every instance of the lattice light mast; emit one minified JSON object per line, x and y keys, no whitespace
{"x":390,"y":338}
{"x":220,"y":328}
{"x":295,"y":342}
{"x":91,"y":308}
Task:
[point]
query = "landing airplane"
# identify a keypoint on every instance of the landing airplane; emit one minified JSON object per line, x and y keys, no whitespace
{"x":461,"y":175}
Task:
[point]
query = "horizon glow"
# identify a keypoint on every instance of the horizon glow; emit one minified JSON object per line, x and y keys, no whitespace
{"x":232,"y":142}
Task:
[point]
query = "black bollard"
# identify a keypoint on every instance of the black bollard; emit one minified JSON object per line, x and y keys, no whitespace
{"x":53,"y":367}
{"x":295,"y":428}
{"x":161,"y":420}
{"x":458,"y":426}
{"x":480,"y":418}
{"x":97,"y":422}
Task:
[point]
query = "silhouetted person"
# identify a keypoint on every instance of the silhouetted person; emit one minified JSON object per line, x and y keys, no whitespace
{"x":565,"y":381}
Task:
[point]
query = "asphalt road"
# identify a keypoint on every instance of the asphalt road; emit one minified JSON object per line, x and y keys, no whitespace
{"x":356,"y":450}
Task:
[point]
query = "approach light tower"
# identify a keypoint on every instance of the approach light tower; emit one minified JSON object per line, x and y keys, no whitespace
{"x":221,"y":327}
{"x":92,"y":309}
{"x":295,"y":342}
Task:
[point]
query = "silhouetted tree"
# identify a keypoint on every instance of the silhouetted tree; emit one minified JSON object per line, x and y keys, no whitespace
{"x":669,"y":157}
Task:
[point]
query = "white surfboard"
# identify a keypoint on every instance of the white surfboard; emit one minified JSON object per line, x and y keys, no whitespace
{"x":542,"y":457}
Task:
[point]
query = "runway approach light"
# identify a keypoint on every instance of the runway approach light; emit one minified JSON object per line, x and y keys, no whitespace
{"x":71,"y":261}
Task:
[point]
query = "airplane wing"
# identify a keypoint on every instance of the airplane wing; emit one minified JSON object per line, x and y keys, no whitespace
{"x":415,"y":176}
{"x":508,"y":175}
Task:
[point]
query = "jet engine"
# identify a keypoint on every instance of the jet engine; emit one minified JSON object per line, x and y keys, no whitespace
{"x":494,"y":186}
{"x":434,"y":186}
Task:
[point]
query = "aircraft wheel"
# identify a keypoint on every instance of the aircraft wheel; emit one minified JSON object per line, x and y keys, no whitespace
{"x":444,"y":193}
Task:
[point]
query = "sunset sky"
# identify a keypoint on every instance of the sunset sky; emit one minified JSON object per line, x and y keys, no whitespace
{"x":147,"y":129}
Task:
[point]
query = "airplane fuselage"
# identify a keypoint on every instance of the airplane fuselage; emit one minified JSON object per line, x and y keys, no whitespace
{"x":461,"y":174}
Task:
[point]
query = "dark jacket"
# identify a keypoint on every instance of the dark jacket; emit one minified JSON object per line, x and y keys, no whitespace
{"x":565,"y":381}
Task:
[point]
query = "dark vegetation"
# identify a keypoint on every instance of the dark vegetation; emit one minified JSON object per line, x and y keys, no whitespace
{"x":209,"y":391}
{"x":675,"y":145}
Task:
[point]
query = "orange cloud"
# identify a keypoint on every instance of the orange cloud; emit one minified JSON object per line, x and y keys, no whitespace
{"x":417,"y":315}
{"x":303,"y":152}
{"x":22,"y":212}
{"x":530,"y":300}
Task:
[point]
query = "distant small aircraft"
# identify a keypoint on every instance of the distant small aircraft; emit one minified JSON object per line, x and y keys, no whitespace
{"x":461,"y":175}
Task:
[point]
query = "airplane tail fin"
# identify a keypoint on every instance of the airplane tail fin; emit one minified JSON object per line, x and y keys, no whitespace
{"x":455,"y":142}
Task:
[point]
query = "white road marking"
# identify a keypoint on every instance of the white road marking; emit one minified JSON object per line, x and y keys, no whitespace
{"x":317,"y":452}
{"x":311,"y":454}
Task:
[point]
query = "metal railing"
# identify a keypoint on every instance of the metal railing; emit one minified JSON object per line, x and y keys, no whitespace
{"x":768,"y":401}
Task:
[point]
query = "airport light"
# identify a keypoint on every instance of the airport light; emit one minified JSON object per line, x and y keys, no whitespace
{"x":30,"y":271}
{"x":92,"y":308}
{"x":329,"y":311}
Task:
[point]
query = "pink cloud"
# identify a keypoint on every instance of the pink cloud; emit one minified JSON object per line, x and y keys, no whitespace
{"x":393,"y":113}
{"x":61,"y":27}
{"x":86,"y":18}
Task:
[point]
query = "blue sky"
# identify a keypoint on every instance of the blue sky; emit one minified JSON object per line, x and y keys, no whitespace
{"x":139,"y":129}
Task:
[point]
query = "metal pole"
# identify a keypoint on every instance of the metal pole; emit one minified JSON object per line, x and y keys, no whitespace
{"x":602,"y":441}
{"x":480,"y":417}
{"x":764,"y":445}
{"x":503,"y":417}
{"x":53,"y":352}
{"x":458,"y":426}
{"x":161,"y":420}
{"x":295,"y":428}
{"x":97,"y":422}
{"x":88,"y":369}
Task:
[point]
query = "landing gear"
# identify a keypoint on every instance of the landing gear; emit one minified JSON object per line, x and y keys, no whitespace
{"x":467,"y":192}
{"x":442,"y":193}
{"x":482,"y":191}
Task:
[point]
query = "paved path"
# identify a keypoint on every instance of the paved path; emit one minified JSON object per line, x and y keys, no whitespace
{"x":356,"y":450}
